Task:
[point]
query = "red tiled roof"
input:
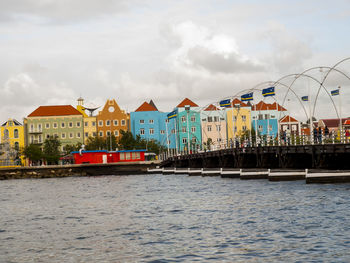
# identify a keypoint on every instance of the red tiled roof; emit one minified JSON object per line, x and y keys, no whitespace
{"x":185,"y":102}
{"x":146,"y":107}
{"x":288,"y":119}
{"x":211,"y":107}
{"x":347,"y":122}
{"x":237,"y":101}
{"x":57,"y":110}
{"x":266,"y":106}
{"x":333,"y":122}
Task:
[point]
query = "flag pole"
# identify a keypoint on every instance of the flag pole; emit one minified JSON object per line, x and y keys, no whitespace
{"x":167,"y":135}
{"x":340,"y":116}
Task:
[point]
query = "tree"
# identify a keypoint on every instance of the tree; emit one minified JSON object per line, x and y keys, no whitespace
{"x":95,"y":143}
{"x":33,"y":152}
{"x":52,"y":150}
{"x":72,"y":147}
{"x":128,"y":142}
{"x":111,"y":142}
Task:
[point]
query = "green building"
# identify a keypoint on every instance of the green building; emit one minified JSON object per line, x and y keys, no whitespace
{"x":62,"y":121}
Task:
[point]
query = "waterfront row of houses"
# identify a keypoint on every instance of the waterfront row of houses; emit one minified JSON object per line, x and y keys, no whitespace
{"x":187,"y":127}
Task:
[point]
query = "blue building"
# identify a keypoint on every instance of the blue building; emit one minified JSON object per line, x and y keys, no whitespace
{"x":265,"y":118}
{"x":152,"y":124}
{"x":188,"y":124}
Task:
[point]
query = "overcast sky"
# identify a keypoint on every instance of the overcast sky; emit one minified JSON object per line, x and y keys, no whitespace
{"x":53,"y":51}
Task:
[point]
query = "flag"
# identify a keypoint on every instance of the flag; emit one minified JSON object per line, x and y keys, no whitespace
{"x":268,"y":92}
{"x":246,"y":97}
{"x":225,"y":103}
{"x":172,"y":115}
{"x":335,"y":92}
{"x":305,"y":98}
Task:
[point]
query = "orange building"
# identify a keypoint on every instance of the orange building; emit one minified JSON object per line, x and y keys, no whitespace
{"x":111,"y":119}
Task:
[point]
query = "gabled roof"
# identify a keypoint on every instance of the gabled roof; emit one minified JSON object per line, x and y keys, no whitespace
{"x":211,"y":107}
{"x":146,"y":107}
{"x":185,"y":102}
{"x":15,"y":122}
{"x":347,"y":122}
{"x":57,"y":110}
{"x":288,"y":119}
{"x":237,"y":101}
{"x":266,"y":106}
{"x":152,"y":104}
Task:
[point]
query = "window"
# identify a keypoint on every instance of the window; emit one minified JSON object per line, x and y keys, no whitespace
{"x":39,"y":127}
{"x":123,"y":123}
{"x":272,"y":116}
{"x":167,"y":120}
{"x":128,"y":156}
{"x":108,"y":123}
{"x":78,"y":134}
{"x":209,"y":128}
{"x":218,"y":139}
{"x":94,"y":123}
{"x":108,"y":133}
{"x":244,"y":128}
{"x":294,"y":127}
{"x":151,"y":121}
{"x":194,"y":140}
{"x":122,"y":156}
{"x":183,"y":118}
{"x":70,"y":125}
{"x":169,"y":142}
{"x":183,"y":129}
{"x":142,"y":131}
{"x":193,"y":129}
{"x":86,"y":124}
{"x":135,"y":155}
{"x":63,"y":135}
{"x":116,"y":133}
{"x":216,"y":118}
{"x":40,"y":139}
{"x":162,"y":132}
{"x":63,"y":124}
{"x":78,"y":123}
{"x":260,"y":117}
{"x":173,"y":131}
{"x":235,"y":118}
{"x":47,"y":136}
{"x":101,"y":133}
{"x":31,"y":138}
{"x":267,"y":116}
{"x":115,"y":122}
{"x":71,"y":135}
{"x":6,"y":133}
{"x":260,"y":128}
{"x":184,"y":140}
{"x":86,"y":134}
{"x":110,"y":102}
{"x":15,"y":133}
{"x":47,"y":125}
{"x":218,"y":128}
{"x":151,"y":131}
{"x":31,"y":127}
{"x":210,"y":119}
{"x":193,"y":118}
{"x":94,"y":134}
{"x":55,"y":135}
{"x":142,"y":121}
{"x":243,"y":118}
{"x":100,"y":123}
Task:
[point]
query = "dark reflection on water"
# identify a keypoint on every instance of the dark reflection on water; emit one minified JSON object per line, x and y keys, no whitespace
{"x":172,"y":218}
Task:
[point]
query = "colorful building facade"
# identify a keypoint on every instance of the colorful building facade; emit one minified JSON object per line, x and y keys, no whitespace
{"x":151,"y":124}
{"x":265,"y":118}
{"x":61,"y":121}
{"x":90,"y":122}
{"x":111,"y":120}
{"x":12,"y":142}
{"x":188,"y":126}
{"x":238,"y":120}
{"x":213,"y":122}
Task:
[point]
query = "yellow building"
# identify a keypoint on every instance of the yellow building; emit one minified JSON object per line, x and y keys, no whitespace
{"x":241,"y":118}
{"x":12,"y":141}
{"x":90,"y":122}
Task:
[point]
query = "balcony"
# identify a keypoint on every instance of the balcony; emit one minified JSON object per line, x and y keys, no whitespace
{"x":33,"y":131}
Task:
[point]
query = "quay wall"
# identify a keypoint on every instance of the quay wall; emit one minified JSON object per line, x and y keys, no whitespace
{"x":53,"y":171}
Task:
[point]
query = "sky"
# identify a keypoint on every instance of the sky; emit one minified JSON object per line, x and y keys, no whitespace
{"x":55,"y":51}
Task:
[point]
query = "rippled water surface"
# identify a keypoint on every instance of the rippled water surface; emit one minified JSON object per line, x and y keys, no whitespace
{"x":172,"y":218}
